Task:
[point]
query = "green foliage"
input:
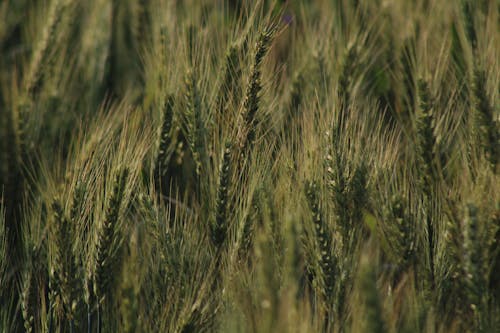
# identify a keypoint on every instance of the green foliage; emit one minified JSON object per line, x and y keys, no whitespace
{"x":374,"y":316}
{"x":249,"y":166}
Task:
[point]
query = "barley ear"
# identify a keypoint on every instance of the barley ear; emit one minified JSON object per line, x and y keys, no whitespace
{"x":40,"y":56}
{"x":220,"y":227}
{"x":294,"y":105}
{"x":338,"y":185}
{"x":474,"y":275}
{"x":470,"y":29}
{"x":194,"y":120}
{"x":191,"y":39}
{"x":252,"y":96}
{"x":64,"y":261}
{"x":402,"y":230}
{"x":358,"y":193}
{"x":29,"y":297}
{"x":345,"y":83}
{"x":487,"y":129}
{"x":160,"y":164}
{"x":426,"y":144}
{"x":230,"y":80}
{"x":427,"y":161}
{"x":327,"y":261}
{"x":104,"y":254}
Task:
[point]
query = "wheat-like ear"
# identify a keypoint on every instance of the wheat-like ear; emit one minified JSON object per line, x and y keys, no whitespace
{"x":64,"y":261}
{"x":296,"y":92}
{"x":345,"y":82}
{"x":427,"y":152}
{"x":487,"y":128}
{"x":338,"y":186}
{"x":470,"y":29}
{"x":292,"y":126}
{"x":252,"y":96}
{"x":29,"y":296}
{"x":408,"y":61}
{"x":426,"y":139}
{"x":327,"y":260}
{"x":221,"y":225}
{"x":77,"y":202}
{"x":247,"y":235}
{"x":358,"y":193}
{"x":104,"y":253}
{"x":474,"y":275}
{"x":56,"y":312}
{"x":160,"y":166}
{"x":321,"y":71}
{"x":41,"y":53}
{"x":191,"y":39}
{"x":194,"y":120}
{"x":230,"y":80}
{"x":401,"y":230}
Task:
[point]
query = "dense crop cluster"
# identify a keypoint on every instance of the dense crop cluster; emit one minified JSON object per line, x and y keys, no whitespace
{"x":249,"y":166}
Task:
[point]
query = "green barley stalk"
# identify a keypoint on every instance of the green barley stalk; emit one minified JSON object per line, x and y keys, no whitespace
{"x":373,"y":314}
{"x":129,"y":307}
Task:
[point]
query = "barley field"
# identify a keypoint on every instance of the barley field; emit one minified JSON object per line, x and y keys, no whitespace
{"x":250,"y":166}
